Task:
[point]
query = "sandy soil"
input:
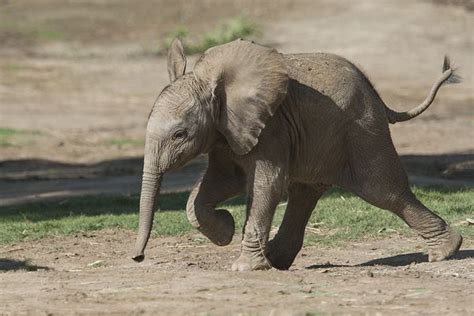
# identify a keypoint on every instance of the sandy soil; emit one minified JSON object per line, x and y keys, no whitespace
{"x":90,"y":79}
{"x":186,"y":275}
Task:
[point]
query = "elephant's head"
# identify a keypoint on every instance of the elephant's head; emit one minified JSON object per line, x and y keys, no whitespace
{"x":231,"y":92}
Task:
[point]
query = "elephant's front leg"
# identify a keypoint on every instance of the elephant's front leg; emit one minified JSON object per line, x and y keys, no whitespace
{"x":286,"y":244}
{"x":222,"y":181}
{"x":265,"y":188}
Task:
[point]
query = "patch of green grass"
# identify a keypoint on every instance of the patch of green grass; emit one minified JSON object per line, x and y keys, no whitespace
{"x":84,"y":214}
{"x":224,"y":32}
{"x":47,"y":32}
{"x":14,"y":137}
{"x":340,"y":216}
{"x":27,"y":30}
{"x":126,"y":142}
{"x":12,"y":68}
{"x":5,"y":132}
{"x":6,"y":135}
{"x":344,"y":216}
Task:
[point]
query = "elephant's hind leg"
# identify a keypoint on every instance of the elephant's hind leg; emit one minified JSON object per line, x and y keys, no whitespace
{"x":442,"y":240}
{"x":283,"y":248}
{"x":376,"y":175}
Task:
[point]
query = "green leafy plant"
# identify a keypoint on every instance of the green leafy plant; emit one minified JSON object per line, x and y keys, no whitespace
{"x":122,"y":142}
{"x":224,"y":32}
{"x":14,"y":137}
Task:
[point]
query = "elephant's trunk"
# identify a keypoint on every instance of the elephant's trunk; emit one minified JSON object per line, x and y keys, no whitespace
{"x":150,"y":188}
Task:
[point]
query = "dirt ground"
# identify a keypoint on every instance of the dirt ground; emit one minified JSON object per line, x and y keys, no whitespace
{"x":80,"y":78}
{"x":92,"y":273}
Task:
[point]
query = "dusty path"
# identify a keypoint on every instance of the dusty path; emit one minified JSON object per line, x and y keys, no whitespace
{"x":186,"y":275}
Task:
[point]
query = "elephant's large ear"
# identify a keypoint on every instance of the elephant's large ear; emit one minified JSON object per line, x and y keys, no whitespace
{"x":176,"y":60}
{"x":250,"y":82}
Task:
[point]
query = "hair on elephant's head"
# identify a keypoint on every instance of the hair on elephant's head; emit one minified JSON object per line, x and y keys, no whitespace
{"x":230,"y":94}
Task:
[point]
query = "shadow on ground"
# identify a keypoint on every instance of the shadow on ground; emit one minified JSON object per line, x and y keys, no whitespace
{"x":450,"y":166}
{"x":395,"y":261}
{"x":23,"y":181}
{"x":11,"y":265}
{"x":41,"y":169}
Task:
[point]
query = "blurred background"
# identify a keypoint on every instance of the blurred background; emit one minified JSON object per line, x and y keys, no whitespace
{"x":78,"y":79}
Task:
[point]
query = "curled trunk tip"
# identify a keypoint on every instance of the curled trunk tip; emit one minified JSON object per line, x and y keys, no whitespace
{"x":138,"y":257}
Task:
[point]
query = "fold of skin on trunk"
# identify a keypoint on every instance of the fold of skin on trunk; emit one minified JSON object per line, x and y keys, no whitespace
{"x":151,"y":183}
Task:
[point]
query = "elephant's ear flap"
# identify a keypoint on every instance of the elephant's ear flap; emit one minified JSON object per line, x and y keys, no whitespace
{"x":250,"y":82}
{"x":176,"y":60}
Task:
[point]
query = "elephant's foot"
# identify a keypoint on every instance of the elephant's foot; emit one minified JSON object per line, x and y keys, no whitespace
{"x":220,"y":229}
{"x":280,"y":256}
{"x":251,"y":262}
{"x":444,"y":247}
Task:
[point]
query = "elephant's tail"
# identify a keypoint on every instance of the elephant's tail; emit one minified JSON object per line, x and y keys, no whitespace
{"x":448,"y":76}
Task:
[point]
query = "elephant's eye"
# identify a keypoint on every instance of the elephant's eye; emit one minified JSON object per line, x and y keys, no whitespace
{"x":180,"y":134}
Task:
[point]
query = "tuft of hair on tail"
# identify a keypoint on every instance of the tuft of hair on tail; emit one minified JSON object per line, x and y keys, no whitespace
{"x":454,"y":78}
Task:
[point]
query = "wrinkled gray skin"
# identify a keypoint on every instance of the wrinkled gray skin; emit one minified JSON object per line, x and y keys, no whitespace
{"x":271,"y":124}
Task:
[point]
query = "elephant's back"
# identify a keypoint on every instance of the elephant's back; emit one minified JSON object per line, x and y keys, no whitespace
{"x":329,"y":74}
{"x":326,"y":96}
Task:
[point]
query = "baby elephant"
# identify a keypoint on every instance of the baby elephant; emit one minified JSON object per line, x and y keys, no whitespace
{"x":273,"y":124}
